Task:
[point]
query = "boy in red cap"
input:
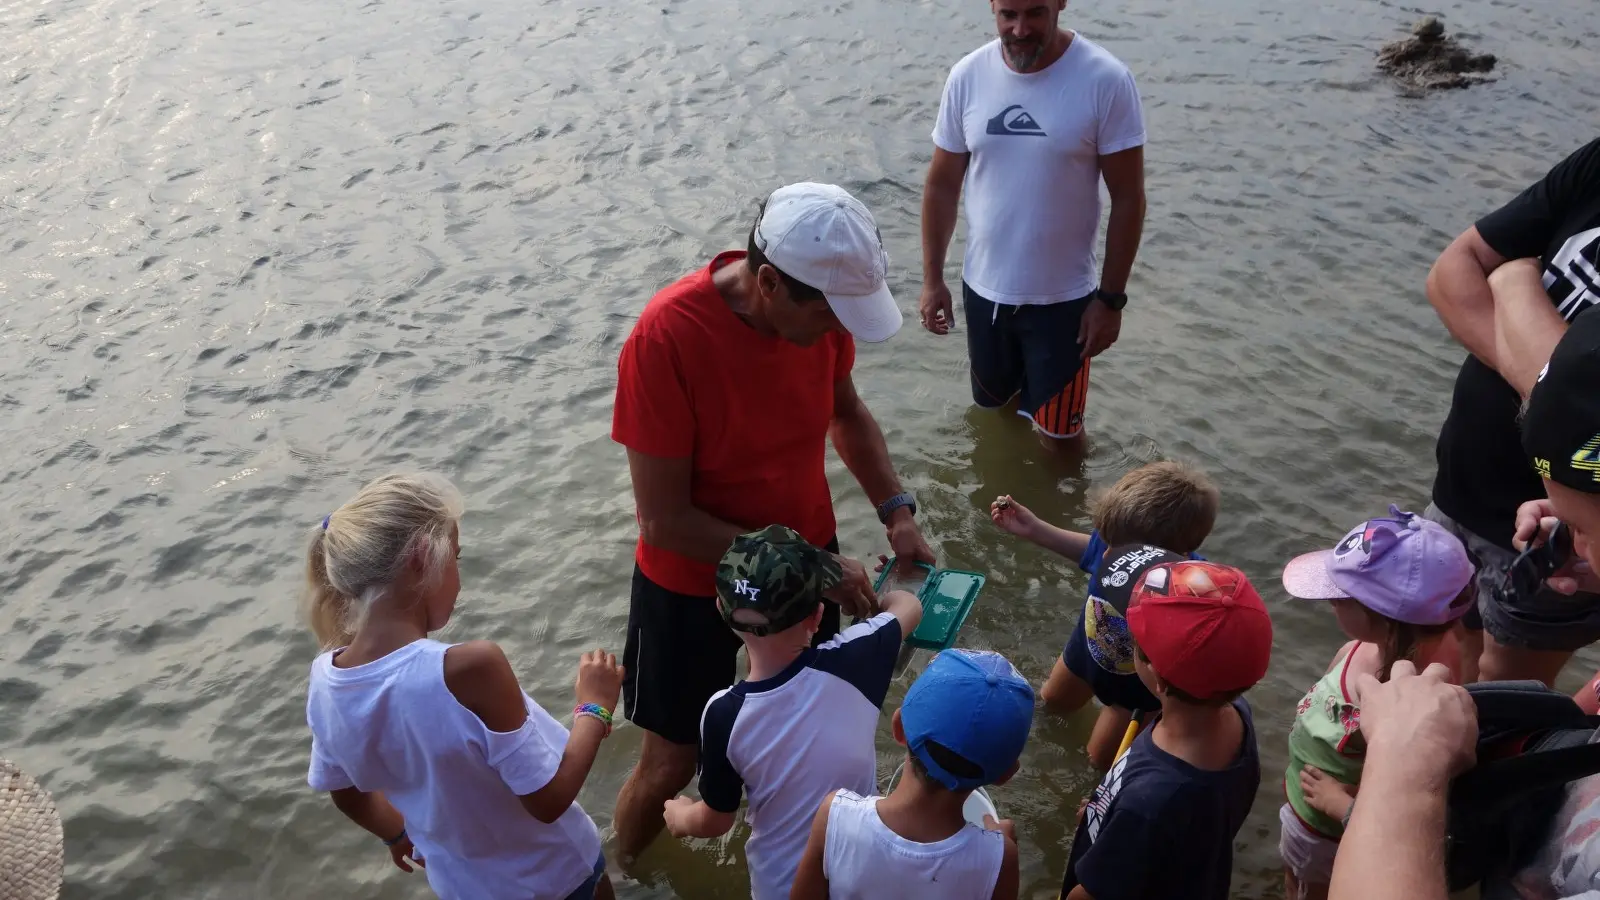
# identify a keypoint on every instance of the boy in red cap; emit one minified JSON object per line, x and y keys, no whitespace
{"x":1162,"y":823}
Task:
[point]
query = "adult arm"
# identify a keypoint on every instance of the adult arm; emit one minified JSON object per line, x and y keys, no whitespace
{"x":668,"y":518}
{"x":859,"y":441}
{"x":811,"y":882}
{"x":1123,"y":172}
{"x":480,"y":677}
{"x":1527,"y":326}
{"x":1458,"y":288}
{"x":941,"y":199}
{"x":1421,"y":731}
{"x":654,"y":418}
{"x":1524,"y":227}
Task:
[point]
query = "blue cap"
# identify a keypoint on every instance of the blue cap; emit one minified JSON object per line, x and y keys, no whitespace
{"x":975,"y":704}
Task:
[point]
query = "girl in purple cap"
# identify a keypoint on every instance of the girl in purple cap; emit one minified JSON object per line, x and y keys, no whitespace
{"x":1398,"y":586}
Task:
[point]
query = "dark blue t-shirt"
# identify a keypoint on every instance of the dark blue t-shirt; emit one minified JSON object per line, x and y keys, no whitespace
{"x":1158,"y":828}
{"x":1110,"y":688}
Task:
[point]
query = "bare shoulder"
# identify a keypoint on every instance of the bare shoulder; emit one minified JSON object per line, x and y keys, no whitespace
{"x":479,"y":676}
{"x":475,"y":658}
{"x":1365,"y":659}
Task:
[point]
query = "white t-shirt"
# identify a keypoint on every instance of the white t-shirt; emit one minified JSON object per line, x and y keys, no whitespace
{"x":864,"y":860}
{"x":789,"y":740}
{"x":392,"y":725}
{"x":1033,"y":183}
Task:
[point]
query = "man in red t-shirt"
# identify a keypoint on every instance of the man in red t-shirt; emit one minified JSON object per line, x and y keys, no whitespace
{"x":728,"y":389}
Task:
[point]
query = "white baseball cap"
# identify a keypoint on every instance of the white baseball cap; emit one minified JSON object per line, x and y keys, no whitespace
{"x":824,"y":238}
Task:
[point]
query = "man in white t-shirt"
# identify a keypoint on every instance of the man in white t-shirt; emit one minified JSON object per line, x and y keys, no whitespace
{"x":1031,"y":122}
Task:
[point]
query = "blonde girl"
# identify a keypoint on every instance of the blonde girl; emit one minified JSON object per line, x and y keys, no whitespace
{"x":431,"y":747}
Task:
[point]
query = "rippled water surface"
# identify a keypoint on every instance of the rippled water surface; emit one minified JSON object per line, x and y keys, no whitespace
{"x":254,"y":253}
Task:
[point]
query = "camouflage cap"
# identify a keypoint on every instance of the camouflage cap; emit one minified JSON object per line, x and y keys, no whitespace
{"x":771,"y":579}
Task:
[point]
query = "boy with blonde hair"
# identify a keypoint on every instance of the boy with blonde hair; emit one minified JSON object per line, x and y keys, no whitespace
{"x":1165,"y":504}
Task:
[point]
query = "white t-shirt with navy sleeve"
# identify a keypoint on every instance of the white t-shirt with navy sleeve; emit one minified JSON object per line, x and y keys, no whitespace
{"x":392,"y":725}
{"x":789,"y":740}
{"x":1033,"y":182}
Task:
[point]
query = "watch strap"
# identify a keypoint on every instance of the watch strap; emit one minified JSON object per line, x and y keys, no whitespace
{"x":1112,"y":301}
{"x":887,"y":507}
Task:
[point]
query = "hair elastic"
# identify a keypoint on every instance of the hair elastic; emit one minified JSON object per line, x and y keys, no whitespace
{"x":325,"y":521}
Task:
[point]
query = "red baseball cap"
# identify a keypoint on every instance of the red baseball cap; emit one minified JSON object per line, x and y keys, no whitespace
{"x":1202,"y":626}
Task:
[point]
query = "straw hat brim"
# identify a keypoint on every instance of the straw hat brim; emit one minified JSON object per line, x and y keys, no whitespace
{"x":31,"y":851}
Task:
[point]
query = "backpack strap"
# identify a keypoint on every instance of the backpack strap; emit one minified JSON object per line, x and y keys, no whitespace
{"x":1494,"y":786}
{"x":1516,"y":708}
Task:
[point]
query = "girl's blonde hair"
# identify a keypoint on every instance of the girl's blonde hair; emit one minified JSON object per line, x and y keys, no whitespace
{"x":359,"y":550}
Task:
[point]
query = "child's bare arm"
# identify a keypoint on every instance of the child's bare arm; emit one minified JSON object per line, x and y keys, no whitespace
{"x":693,"y":818}
{"x":480,"y":676}
{"x":1010,"y":881}
{"x":1014,"y":518}
{"x":906,"y":608}
{"x":371,"y":811}
{"x":811,"y":882}
{"x":376,"y":814}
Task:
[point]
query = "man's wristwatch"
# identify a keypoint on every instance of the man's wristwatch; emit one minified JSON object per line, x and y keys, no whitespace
{"x":887,"y":507}
{"x":1112,"y":301}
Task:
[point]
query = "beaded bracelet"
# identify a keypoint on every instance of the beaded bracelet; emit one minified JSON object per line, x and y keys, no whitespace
{"x":396,"y":839}
{"x":594,"y":711}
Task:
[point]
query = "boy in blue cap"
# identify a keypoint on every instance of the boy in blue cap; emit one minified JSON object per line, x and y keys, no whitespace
{"x":964,"y":724}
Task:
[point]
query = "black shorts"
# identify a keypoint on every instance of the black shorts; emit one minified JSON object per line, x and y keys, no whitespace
{"x":679,"y":652}
{"x":1545,"y":621}
{"x":1029,"y":352}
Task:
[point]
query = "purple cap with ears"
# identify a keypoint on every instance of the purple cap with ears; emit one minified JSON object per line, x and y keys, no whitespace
{"x":1401,"y":566}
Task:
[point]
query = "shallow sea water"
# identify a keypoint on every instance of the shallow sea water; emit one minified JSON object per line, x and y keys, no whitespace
{"x":255,"y":254}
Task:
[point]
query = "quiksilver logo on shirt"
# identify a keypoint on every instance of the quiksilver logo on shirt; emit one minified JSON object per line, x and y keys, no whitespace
{"x":1015,"y":120}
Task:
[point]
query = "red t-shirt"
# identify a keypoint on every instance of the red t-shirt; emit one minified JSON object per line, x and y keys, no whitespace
{"x":752,"y":411}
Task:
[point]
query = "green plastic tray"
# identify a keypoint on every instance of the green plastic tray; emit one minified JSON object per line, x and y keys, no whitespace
{"x":947,"y":598}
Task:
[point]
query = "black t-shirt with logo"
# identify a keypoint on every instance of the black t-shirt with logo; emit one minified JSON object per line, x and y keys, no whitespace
{"x":1157,"y":828}
{"x":1483,"y":473}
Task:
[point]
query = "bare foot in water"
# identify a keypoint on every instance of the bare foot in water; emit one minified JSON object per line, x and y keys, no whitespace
{"x":1326,"y":795}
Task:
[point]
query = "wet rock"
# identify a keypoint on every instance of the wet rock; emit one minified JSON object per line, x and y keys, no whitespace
{"x":1430,"y":60}
{"x":1428,"y":29}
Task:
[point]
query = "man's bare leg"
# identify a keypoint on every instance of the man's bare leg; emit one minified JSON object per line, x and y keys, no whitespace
{"x":663,"y":770}
{"x":1501,"y":662}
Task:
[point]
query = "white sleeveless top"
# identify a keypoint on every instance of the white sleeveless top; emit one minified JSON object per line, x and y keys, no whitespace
{"x":393,"y":726}
{"x":864,"y":860}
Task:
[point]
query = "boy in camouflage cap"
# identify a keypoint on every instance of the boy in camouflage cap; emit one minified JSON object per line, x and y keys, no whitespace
{"x":802,"y":723}
{"x":771,"y":580}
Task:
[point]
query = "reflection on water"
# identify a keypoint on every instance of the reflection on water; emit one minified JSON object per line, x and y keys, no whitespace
{"x":259,"y":253}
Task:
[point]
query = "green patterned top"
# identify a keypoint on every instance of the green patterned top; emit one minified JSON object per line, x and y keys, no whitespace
{"x":1326,"y":734}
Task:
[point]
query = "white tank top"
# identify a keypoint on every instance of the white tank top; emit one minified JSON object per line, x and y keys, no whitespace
{"x":864,"y":860}
{"x":393,"y":726}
